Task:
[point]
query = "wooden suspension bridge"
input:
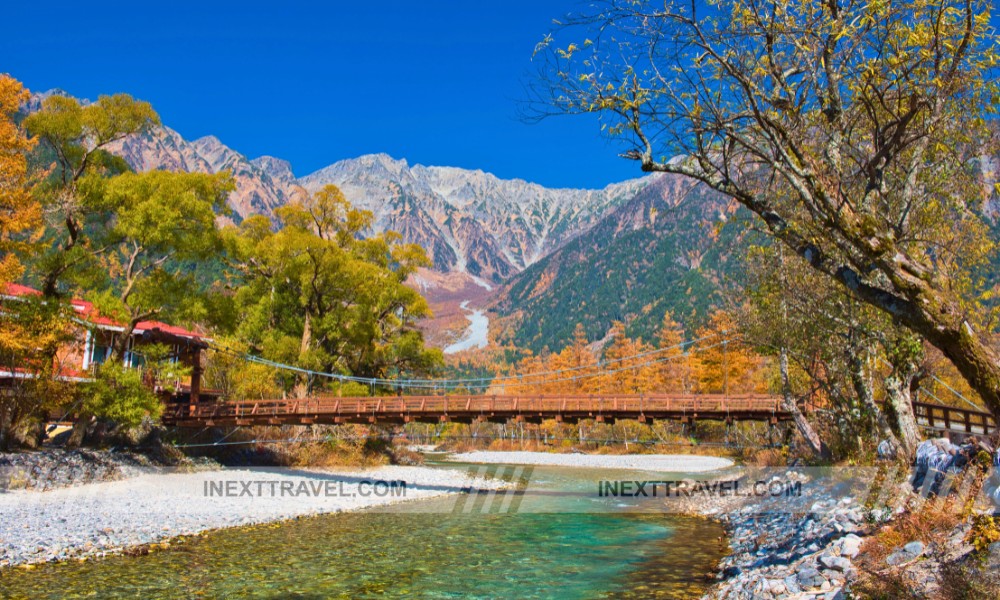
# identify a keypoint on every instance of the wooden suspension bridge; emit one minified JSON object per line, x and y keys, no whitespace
{"x":686,"y":408}
{"x":468,"y":408}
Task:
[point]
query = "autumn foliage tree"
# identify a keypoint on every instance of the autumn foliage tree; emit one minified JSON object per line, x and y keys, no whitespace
{"x":675,"y":372}
{"x":30,"y":330}
{"x":724,"y":363}
{"x":20,"y":213}
{"x":846,"y":127}
{"x":628,"y":365}
{"x":626,"y":372}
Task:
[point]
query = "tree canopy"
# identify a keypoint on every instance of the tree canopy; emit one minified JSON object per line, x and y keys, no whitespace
{"x":19,"y":212}
{"x":161,"y":231}
{"x":73,"y":140}
{"x":849,"y":128}
{"x":319,"y":296}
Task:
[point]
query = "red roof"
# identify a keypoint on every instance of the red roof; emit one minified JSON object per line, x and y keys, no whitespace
{"x":16,"y":289}
{"x":63,"y":373}
{"x":89,"y":313}
{"x":165,"y":328}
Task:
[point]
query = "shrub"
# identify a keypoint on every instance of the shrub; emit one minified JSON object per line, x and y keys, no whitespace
{"x":118,"y":394}
{"x":984,"y":532}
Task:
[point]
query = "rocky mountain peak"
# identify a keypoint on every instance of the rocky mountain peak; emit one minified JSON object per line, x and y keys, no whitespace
{"x":278,"y":169}
{"x":469,"y":221}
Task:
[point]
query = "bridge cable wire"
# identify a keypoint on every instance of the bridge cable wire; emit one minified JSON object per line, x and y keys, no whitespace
{"x":378,"y":380}
{"x":956,"y":392}
{"x":480,"y":382}
{"x":433,"y":384}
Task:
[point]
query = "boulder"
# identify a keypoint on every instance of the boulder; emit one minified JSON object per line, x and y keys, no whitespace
{"x":850,"y":545}
{"x":777,"y":587}
{"x":914,"y":548}
{"x":810,"y":578}
{"x":836,"y":563}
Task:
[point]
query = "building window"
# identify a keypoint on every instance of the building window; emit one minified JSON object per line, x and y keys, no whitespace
{"x":101,"y":352}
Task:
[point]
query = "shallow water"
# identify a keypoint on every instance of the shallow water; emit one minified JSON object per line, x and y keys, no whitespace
{"x":564,"y":550}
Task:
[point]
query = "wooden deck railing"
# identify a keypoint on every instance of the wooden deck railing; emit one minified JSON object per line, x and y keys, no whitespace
{"x":950,"y":418}
{"x":541,"y":405}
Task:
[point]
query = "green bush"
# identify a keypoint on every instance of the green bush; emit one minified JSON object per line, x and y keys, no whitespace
{"x":118,"y":394}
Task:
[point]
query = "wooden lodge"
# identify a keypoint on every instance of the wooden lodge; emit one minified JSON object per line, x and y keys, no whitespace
{"x":93,"y":339}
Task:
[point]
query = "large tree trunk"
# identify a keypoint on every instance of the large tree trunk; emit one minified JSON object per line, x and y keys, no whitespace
{"x":120,"y":346}
{"x":806,"y":430}
{"x":867,"y":398}
{"x":302,"y":386}
{"x":975,"y":359}
{"x":79,"y":431}
{"x":5,"y":425}
{"x":897,"y":387}
{"x":916,"y":297}
{"x":931,"y":311}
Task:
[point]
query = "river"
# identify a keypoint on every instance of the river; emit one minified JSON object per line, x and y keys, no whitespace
{"x":571,"y":548}
{"x":476,"y":334}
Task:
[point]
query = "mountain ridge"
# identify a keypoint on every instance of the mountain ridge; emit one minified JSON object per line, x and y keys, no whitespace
{"x":665,"y":250}
{"x":474,"y":225}
{"x":469,"y":220}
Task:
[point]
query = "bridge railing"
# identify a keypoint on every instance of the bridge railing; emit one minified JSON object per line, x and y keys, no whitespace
{"x":500,"y":404}
{"x":939,"y":416}
{"x":543,"y":403}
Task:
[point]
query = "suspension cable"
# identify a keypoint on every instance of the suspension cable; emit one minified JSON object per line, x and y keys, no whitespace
{"x":479,"y":382}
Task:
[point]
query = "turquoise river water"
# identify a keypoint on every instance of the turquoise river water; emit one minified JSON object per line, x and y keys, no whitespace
{"x":565,"y":547}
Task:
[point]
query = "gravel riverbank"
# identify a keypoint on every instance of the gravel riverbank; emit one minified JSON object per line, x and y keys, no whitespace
{"x":56,"y":467}
{"x":110,"y":517}
{"x":668,"y":463}
{"x":790,"y":555}
{"x":819,"y":547}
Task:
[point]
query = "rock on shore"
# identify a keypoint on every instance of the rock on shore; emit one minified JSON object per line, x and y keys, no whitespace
{"x":56,"y":467}
{"x":782,"y":555}
{"x":815,"y":549}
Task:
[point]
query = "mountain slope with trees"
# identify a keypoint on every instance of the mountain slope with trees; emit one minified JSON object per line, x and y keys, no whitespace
{"x":666,"y":250}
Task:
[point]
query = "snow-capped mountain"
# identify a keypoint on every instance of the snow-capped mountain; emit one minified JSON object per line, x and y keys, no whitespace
{"x":469,"y":221}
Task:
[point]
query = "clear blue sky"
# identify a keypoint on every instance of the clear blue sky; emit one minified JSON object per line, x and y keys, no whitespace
{"x":432,"y":81}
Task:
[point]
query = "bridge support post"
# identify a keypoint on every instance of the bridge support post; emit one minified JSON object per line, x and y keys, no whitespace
{"x":196,"y":371}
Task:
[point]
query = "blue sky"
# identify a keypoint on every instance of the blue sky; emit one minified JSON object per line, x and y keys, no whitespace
{"x":432,"y":81}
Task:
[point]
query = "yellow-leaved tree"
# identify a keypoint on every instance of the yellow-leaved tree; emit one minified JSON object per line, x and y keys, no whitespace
{"x":850,"y":130}
{"x":626,"y":371}
{"x":724,"y":364}
{"x":675,"y":372}
{"x":577,"y":363}
{"x":19,"y":212}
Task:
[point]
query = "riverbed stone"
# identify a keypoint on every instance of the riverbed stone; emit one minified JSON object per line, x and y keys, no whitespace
{"x":836,"y":563}
{"x":850,"y":545}
{"x":914,"y":548}
{"x":792,"y":584}
{"x":776,"y":587}
{"x":810,"y":578}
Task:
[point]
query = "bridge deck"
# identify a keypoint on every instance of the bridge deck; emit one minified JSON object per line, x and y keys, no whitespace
{"x":404,"y":409}
{"x":532,"y":408}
